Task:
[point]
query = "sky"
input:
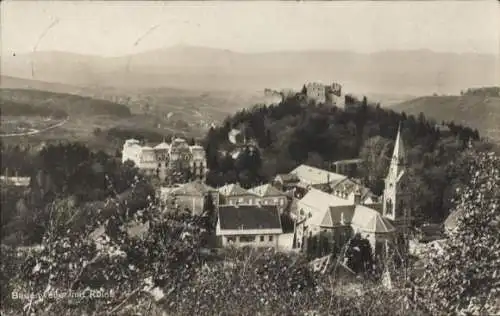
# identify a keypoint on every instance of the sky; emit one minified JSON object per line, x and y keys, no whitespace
{"x":118,"y":28}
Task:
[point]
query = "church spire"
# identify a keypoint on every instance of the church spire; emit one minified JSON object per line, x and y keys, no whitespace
{"x":398,"y":157}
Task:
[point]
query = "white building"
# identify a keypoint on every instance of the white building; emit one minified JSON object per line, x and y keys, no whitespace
{"x":249,"y":225}
{"x":167,"y":160}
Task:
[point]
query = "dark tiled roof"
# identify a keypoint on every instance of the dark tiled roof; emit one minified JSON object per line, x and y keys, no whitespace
{"x":249,"y":217}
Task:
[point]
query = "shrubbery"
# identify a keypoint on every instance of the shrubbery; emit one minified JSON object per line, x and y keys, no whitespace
{"x":465,"y":278}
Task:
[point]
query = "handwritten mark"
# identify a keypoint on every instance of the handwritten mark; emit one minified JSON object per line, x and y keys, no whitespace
{"x":149,"y":31}
{"x":54,"y":23}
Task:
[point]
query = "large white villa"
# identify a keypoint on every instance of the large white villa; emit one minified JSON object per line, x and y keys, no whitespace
{"x":167,"y":160}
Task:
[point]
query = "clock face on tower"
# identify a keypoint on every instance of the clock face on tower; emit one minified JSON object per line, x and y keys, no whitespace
{"x":185,"y":156}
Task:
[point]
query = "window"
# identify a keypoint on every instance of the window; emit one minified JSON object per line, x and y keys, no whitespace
{"x":270,"y":238}
{"x":261,"y":238}
{"x":388,"y":207}
{"x":247,"y":238}
{"x":240,"y":200}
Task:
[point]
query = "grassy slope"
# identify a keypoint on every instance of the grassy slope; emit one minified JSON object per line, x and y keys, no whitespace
{"x":482,"y":113}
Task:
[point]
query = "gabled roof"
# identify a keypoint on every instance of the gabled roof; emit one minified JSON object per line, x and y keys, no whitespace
{"x":348,"y":186}
{"x":233,"y":189}
{"x":338,"y":216}
{"x":313,"y":175}
{"x":249,"y":217}
{"x":370,"y":221}
{"x":321,"y":200}
{"x":266,"y":190}
{"x":319,"y":204}
{"x":194,"y":188}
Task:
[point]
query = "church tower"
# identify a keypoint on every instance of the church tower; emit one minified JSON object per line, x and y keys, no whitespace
{"x":394,"y":207}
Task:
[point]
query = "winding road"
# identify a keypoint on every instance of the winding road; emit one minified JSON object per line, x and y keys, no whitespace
{"x":37,"y":131}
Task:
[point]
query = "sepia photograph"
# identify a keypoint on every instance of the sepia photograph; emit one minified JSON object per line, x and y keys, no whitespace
{"x":245,"y":158}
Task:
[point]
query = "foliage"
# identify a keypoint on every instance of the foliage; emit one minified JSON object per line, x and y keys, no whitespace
{"x":359,"y":255}
{"x":464,"y":279}
{"x":64,"y":171}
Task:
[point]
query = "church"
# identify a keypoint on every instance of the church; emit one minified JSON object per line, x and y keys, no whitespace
{"x":337,"y":218}
{"x":175,"y":162}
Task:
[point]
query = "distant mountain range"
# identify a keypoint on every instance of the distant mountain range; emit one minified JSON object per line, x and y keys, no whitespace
{"x":396,"y":72}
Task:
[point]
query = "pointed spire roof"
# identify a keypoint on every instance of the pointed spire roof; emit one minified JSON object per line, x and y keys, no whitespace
{"x":398,"y":158}
{"x":398,"y":154}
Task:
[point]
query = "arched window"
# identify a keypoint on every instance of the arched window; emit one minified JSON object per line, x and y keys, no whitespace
{"x":388,"y":207}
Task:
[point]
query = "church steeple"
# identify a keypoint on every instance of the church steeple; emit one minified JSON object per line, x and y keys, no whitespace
{"x":393,"y":208}
{"x":396,"y":168}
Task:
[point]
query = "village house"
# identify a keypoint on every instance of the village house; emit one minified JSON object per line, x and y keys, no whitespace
{"x":233,"y":194}
{"x":192,"y":196}
{"x":352,"y":191}
{"x":347,"y":167}
{"x":269,"y":195}
{"x":15,"y":181}
{"x":338,"y":219}
{"x":249,"y":225}
{"x":285,"y":181}
{"x":166,"y":161}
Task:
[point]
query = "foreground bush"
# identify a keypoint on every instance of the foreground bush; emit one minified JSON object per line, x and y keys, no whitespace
{"x":465,"y":278}
{"x":154,"y":263}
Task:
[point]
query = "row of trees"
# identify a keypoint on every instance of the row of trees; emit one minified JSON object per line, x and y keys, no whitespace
{"x":66,"y":170}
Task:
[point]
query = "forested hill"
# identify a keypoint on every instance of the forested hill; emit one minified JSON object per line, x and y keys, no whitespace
{"x":478,"y":108}
{"x":295,"y":132}
{"x":73,"y":105}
